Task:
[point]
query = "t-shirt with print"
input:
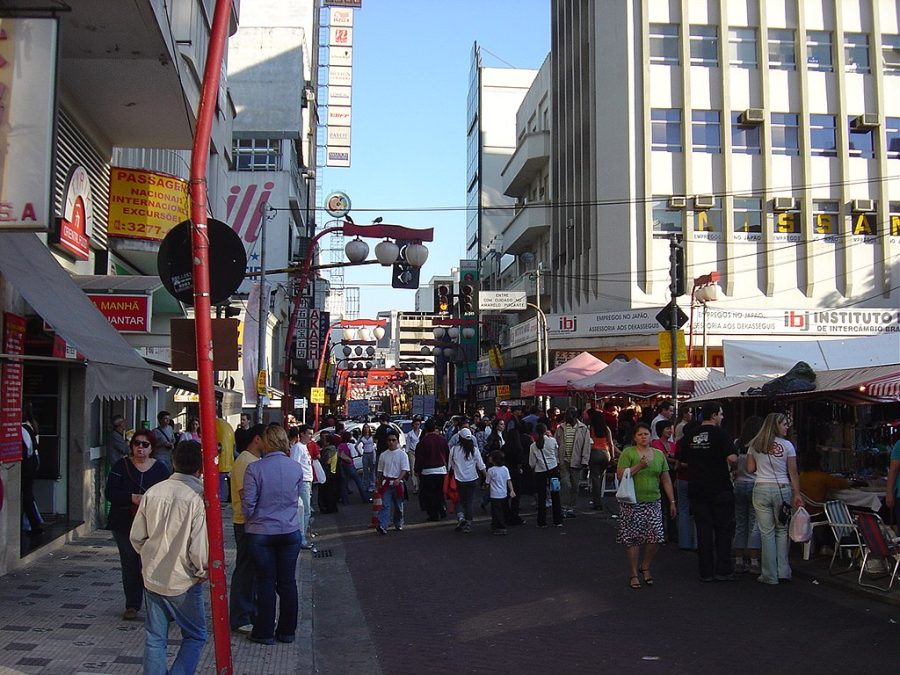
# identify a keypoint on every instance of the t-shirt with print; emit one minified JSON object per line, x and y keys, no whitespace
{"x":772,"y":467}
{"x":646,"y":481}
{"x":497,"y":478}
{"x":706,"y":454}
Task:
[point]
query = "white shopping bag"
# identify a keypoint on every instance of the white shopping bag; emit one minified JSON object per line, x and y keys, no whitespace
{"x":625,"y":493}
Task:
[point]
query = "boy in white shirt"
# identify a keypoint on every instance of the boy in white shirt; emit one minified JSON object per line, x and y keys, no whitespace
{"x":501,"y":490}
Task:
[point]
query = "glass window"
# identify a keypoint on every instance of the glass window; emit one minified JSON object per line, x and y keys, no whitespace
{"x":825,"y":217}
{"x":742,"y":47}
{"x":856,"y":53}
{"x":744,"y":139}
{"x":664,"y":43}
{"x":822,"y":140}
{"x":892,"y":137}
{"x":818,"y":50}
{"x":890,"y":54}
{"x":894,"y":218}
{"x":782,"y":50}
{"x":861,"y":141}
{"x":864,"y":224}
{"x":747,"y":215}
{"x":706,"y":134}
{"x":705,"y":46}
{"x":257,"y":154}
{"x":787,"y":224}
{"x":709,"y":220}
{"x":666,"y":219}
{"x":666,"y":129}
{"x":785,"y":134}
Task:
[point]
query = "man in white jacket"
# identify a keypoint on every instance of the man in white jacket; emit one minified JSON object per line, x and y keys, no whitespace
{"x":169,"y":533}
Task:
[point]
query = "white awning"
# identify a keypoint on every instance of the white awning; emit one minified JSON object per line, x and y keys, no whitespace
{"x":115,"y":370}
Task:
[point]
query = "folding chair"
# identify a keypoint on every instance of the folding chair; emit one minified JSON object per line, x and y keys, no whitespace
{"x":846,"y":534}
{"x":816,"y":520}
{"x":877,"y":546}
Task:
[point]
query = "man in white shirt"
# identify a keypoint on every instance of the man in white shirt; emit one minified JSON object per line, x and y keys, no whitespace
{"x":664,"y":412}
{"x":393,"y":467}
{"x":300,"y":437}
{"x":169,"y":533}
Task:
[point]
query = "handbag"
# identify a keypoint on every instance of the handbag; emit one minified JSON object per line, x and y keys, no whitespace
{"x":625,"y":492}
{"x":554,"y":481}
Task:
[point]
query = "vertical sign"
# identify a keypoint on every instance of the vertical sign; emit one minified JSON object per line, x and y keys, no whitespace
{"x":301,"y":332}
{"x":312,"y":337}
{"x":11,"y":392}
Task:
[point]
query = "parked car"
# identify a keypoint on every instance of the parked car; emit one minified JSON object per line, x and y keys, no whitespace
{"x":350,"y":426}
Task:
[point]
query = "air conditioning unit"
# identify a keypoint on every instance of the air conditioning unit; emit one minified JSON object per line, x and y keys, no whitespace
{"x":862,"y":205}
{"x":704,"y":201}
{"x":866,"y":121}
{"x":784,"y":203}
{"x":677,"y":202}
{"x":752,"y":116}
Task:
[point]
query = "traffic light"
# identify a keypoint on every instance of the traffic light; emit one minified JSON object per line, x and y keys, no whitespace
{"x":468,"y":289}
{"x":677,"y":283}
{"x":443,"y":298}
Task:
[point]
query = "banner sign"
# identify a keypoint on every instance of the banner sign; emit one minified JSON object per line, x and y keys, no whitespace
{"x":145,"y":204}
{"x":11,"y":392}
{"x":525,"y":332}
{"x":126,"y":313}
{"x":27,"y":107}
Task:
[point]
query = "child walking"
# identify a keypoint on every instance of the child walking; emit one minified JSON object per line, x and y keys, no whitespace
{"x":501,"y":490}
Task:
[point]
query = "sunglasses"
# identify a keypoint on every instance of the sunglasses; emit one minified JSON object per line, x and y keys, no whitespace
{"x":141,"y":444}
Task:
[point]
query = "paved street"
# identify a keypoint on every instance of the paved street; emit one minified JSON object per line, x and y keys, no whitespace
{"x":431,"y":600}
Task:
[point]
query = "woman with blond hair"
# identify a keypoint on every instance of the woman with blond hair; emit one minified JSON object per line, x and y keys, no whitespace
{"x":774,"y":461}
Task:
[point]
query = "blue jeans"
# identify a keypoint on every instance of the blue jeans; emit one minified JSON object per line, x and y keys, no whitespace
{"x":305,"y":497}
{"x":349,"y":473}
{"x":767,"y":499}
{"x":687,"y":535}
{"x":369,"y":470}
{"x":746,"y":533}
{"x":186,"y":610}
{"x":275,"y":559}
{"x":224,"y":492}
{"x":242,"y":601}
{"x":391,"y":505}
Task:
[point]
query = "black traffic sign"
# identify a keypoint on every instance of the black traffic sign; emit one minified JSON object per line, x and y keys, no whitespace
{"x":665,"y":317}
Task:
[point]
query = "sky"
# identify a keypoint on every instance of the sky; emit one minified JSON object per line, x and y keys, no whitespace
{"x":411,"y":63}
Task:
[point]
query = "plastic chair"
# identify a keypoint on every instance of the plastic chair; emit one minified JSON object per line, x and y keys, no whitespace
{"x":605,"y":488}
{"x":877,"y":546}
{"x":846,"y":534}
{"x":816,"y":520}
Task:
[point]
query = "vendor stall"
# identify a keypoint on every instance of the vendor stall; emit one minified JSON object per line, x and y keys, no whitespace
{"x":630,"y":378}
{"x":556,"y":382}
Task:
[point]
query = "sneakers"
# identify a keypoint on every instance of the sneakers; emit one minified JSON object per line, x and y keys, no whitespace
{"x":754,"y":566}
{"x":569,"y":513}
{"x":398,"y":528}
{"x":460,"y":526}
{"x":380,"y":530}
{"x":246,"y":629}
{"x":130,"y":614}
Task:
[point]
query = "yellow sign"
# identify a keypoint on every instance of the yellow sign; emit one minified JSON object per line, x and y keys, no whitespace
{"x":317,"y":394}
{"x":145,"y":204}
{"x":665,"y":347}
{"x":502,"y":391}
{"x":261,"y":380}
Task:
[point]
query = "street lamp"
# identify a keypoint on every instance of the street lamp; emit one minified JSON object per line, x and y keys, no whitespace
{"x":705,"y":290}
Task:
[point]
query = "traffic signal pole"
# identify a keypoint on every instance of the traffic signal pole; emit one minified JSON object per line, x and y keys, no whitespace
{"x":676,"y":287}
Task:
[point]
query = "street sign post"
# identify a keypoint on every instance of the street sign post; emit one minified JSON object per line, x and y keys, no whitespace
{"x":502,"y":301}
{"x":664,"y":317}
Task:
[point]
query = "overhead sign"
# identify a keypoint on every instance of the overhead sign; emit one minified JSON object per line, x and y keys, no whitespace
{"x":317,"y":394}
{"x":145,"y":204}
{"x":126,"y":313}
{"x":72,"y":232}
{"x":502,"y":301}
{"x":27,"y":108}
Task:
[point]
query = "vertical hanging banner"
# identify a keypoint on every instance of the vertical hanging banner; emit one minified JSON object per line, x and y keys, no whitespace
{"x":11,"y":391}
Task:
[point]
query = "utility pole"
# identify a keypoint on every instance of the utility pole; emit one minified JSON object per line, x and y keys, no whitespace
{"x":674,"y":274}
{"x":263,"y":322}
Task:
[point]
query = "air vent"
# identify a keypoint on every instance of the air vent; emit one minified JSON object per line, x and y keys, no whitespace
{"x":866,"y":121}
{"x":704,"y":202}
{"x":784,"y":203}
{"x":862,"y":205}
{"x":677,"y":202}
{"x":752,"y":116}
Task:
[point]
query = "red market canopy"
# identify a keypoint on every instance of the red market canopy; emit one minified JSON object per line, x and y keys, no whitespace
{"x":633,"y":377}
{"x":556,"y":382}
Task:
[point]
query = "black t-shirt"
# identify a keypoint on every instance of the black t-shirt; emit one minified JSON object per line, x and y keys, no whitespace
{"x":706,"y":453}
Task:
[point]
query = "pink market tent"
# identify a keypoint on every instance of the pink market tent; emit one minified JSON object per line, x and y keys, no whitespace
{"x":556,"y":382}
{"x":633,"y":377}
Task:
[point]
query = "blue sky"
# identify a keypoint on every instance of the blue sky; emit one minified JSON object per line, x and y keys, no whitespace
{"x":410,"y":78}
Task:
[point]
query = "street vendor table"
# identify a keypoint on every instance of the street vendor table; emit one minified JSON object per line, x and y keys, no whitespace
{"x":869,"y":498}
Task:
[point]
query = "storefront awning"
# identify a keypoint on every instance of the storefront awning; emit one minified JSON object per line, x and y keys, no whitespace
{"x":115,"y":370}
{"x":231,"y":400}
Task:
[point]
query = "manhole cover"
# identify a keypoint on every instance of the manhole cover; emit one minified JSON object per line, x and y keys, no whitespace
{"x":324,"y":553}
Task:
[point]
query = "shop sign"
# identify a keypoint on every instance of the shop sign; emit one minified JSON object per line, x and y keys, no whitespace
{"x":27,"y":106}
{"x":340,"y":56}
{"x":72,"y":232}
{"x":339,"y":116}
{"x":353,"y":4}
{"x":502,"y":391}
{"x":339,"y":16}
{"x":126,"y":313}
{"x":525,"y":332}
{"x":145,"y":204}
{"x":317,"y":395}
{"x":337,"y":157}
{"x":11,"y":392}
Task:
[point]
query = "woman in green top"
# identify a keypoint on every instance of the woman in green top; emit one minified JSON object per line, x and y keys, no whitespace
{"x":641,"y":524}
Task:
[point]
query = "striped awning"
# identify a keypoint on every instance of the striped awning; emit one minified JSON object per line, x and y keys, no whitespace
{"x":885,"y":387}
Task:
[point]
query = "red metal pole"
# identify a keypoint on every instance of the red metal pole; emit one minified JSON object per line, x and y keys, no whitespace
{"x":200,"y":247}
{"x":325,"y":350}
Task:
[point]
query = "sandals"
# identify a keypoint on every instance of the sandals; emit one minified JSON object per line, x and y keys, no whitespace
{"x":635,"y":583}
{"x":646,"y":574}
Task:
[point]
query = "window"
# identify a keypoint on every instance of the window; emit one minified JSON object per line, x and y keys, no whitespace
{"x":664,"y":43}
{"x":856,"y":53}
{"x":709,"y":220}
{"x":705,"y":46}
{"x":890,"y":54}
{"x":861,"y":141}
{"x":706,"y":133}
{"x":818,"y":50}
{"x":785,"y":134}
{"x":864,"y":225}
{"x":786,"y":225}
{"x":257,"y":154}
{"x":744,"y":139}
{"x":894,"y":218}
{"x":782,"y":51}
{"x":666,"y":219}
{"x":742,"y":47}
{"x":747,"y":216}
{"x":822,"y":139}
{"x":892,"y":137}
{"x":666,"y":129}
{"x":825,"y":217}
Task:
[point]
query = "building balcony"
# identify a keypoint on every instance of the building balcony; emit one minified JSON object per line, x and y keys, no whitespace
{"x":526,"y":227}
{"x":532,"y":155}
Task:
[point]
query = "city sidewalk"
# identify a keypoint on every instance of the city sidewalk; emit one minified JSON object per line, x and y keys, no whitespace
{"x":63,"y":614}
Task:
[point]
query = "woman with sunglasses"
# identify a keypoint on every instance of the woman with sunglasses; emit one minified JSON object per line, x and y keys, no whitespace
{"x":128,"y":480}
